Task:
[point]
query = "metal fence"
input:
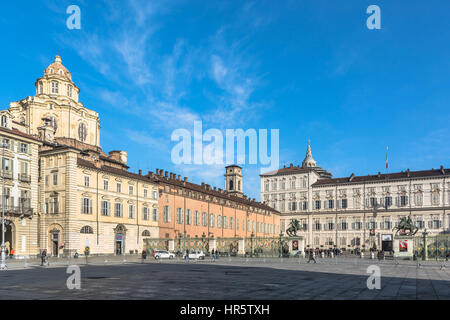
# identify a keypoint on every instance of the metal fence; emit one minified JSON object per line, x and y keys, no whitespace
{"x":438,"y":247}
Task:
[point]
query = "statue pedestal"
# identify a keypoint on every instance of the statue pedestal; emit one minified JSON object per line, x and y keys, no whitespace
{"x":403,"y":247}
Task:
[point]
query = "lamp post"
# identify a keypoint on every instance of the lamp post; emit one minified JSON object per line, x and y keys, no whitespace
{"x":425,"y":245}
{"x":3,"y":263}
{"x":251,"y":244}
{"x":203,"y":241}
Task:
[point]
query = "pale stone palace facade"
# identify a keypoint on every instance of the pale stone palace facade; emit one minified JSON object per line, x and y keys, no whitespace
{"x":63,"y":193}
{"x":357,"y":211}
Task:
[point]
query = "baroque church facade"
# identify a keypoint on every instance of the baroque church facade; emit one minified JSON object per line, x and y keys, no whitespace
{"x":80,"y":196}
{"x":357,"y":211}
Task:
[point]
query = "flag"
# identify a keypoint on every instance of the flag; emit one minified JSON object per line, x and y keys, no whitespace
{"x":386,"y":158}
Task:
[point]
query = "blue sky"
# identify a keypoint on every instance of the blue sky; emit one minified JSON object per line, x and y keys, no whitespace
{"x":311,"y":69}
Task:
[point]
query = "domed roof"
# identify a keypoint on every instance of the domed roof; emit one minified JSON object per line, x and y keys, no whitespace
{"x":57,"y":68}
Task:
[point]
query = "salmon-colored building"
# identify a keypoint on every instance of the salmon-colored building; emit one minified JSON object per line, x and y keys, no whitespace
{"x":190,"y":210}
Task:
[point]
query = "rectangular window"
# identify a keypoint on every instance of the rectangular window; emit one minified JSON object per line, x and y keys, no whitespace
{"x":118,"y":209}
{"x":317,"y":204}
{"x":55,"y":179}
{"x":403,"y":201}
{"x":86,"y":206}
{"x":188,"y":217}
{"x":211,"y":220}
{"x":105,"y":184}
{"x":204,"y":219}
{"x":225,"y":222}
{"x":54,"y":87}
{"x":106,"y":208}
{"x":219,"y":221}
{"x":145,"y":193}
{"x":86,"y":181}
{"x":344,"y":203}
{"x":130,"y":190}
{"x":179,"y":215}
{"x":155,"y":214}
{"x":330,"y":204}
{"x":131,"y":211}
{"x":119,"y":188}
{"x":69,"y":90}
{"x":196,"y":218}
{"x":145,"y":215}
{"x":23,"y":148}
{"x":166,"y":214}
{"x":155,"y":195}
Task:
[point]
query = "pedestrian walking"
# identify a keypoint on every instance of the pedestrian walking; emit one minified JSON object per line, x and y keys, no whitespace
{"x":311,"y":256}
{"x":144,"y":255}
{"x":43,"y":257}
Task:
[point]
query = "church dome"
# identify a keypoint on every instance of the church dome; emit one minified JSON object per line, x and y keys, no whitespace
{"x":309,"y":161}
{"x":57,"y":68}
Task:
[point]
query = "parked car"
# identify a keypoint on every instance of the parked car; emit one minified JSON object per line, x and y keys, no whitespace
{"x":196,"y":254}
{"x":163,"y":254}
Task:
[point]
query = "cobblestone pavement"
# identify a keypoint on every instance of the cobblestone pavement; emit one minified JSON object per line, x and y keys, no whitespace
{"x":236,"y":278}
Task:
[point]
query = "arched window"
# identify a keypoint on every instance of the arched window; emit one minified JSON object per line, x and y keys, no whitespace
{"x":82,"y":131}
{"x":146,"y":233}
{"x":86,"y":229}
{"x":4,"y":122}
{"x":69,"y":90}
{"x":41,"y":88}
{"x":231,"y":184}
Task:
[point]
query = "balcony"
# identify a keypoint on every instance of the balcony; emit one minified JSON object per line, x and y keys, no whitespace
{"x":25,"y":177}
{"x":6,"y":173}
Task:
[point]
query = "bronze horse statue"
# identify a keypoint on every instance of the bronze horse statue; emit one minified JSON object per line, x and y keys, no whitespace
{"x":404,"y":225}
{"x":294,"y":226}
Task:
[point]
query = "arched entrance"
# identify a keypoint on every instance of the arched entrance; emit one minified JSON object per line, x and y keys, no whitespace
{"x":119,"y":239}
{"x":55,"y":240}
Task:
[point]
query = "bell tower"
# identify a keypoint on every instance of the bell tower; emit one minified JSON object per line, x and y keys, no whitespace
{"x":233,"y":180}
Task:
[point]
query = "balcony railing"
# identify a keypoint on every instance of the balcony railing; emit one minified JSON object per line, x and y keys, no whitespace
{"x":24,"y":177}
{"x":6,"y":173}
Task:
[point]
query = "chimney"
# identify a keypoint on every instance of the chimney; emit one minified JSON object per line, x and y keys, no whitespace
{"x":291,"y":165}
{"x":185,"y":179}
{"x":442,"y":170}
{"x":407,"y":172}
{"x":179,"y":178}
{"x":161,"y":172}
{"x":214,"y":189}
{"x":157,"y":171}
{"x":166,"y":174}
{"x":379,"y":174}
{"x":351,"y":177}
{"x":140,"y":172}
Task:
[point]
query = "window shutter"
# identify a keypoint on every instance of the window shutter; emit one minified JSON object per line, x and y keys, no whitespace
{"x":397,"y":201}
{"x":406,"y":200}
{"x":430,"y":224}
{"x":367,"y":203}
{"x":325,"y":204}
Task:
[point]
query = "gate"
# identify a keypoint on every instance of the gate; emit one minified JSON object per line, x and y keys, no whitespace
{"x":438,"y":247}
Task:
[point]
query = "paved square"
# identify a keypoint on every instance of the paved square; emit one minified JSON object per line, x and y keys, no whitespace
{"x":237,"y":278}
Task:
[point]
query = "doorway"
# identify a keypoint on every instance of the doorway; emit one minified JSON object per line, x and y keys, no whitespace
{"x":55,"y":243}
{"x":119,"y":244}
{"x":386,"y":243}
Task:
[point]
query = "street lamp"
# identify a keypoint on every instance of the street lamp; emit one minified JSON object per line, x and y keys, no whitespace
{"x":3,"y":263}
{"x":251,"y":244}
